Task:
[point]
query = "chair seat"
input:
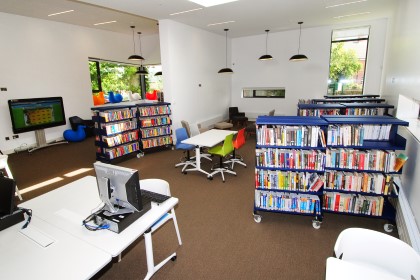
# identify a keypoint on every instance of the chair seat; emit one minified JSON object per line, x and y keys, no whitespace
{"x":223,"y":125}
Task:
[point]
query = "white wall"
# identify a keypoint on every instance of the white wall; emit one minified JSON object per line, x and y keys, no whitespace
{"x":44,"y":58}
{"x":192,"y":57}
{"x":302,"y":80}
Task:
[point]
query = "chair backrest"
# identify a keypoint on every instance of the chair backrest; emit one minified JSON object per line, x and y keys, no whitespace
{"x":271,"y":113}
{"x":233,"y":111}
{"x":240,"y":139}
{"x":156,"y":185}
{"x":180,"y":134}
{"x":376,"y":249}
{"x":228,"y":145}
{"x":202,"y":129}
{"x":186,"y":125}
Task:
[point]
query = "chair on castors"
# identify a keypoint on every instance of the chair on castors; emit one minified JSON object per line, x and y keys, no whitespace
{"x":4,"y":165}
{"x":377,"y":250}
{"x":162,"y":187}
{"x":222,"y":152}
{"x":181,"y":134}
{"x":203,"y":153}
{"x":237,"y":143}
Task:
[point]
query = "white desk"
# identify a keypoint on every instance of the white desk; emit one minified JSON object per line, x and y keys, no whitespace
{"x":343,"y":270}
{"x":209,"y":138}
{"x":67,"y":257}
{"x":69,"y":205}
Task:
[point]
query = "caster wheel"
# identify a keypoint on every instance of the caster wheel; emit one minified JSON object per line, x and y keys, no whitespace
{"x":210,"y":178}
{"x":389,"y":227}
{"x":257,"y":218}
{"x":316,"y":224}
{"x":140,"y":155}
{"x":173,"y":258}
{"x":185,"y":172}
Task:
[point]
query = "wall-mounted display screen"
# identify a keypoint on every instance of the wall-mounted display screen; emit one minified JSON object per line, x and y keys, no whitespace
{"x":36,"y":113}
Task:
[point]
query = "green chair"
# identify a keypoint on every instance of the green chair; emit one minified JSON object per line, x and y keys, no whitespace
{"x":222,"y":151}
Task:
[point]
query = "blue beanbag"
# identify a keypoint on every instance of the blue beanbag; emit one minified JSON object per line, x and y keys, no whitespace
{"x":75,"y":135}
{"x":114,"y":97}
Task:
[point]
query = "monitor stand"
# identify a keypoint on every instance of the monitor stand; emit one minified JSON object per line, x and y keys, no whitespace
{"x":41,"y":141}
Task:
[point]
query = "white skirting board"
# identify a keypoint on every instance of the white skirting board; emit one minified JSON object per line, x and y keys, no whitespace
{"x":406,"y":224}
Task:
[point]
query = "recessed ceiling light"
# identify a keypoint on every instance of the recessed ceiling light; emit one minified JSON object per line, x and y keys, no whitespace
{"x":218,"y":23}
{"x":352,"y":15}
{"x":106,"y":22}
{"x":209,"y":3}
{"x":65,"y":12}
{"x":183,"y":12}
{"x":348,"y":3}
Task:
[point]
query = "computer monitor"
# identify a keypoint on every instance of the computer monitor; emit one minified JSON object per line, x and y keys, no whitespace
{"x":7,"y":196}
{"x":119,"y":188}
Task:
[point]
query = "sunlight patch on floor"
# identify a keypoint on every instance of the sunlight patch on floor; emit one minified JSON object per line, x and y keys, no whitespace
{"x":41,"y":185}
{"x":77,"y":172}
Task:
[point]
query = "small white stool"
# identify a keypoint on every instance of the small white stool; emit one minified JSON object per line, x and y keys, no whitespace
{"x":4,"y":165}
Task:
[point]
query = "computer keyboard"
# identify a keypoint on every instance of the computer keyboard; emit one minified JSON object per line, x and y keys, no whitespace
{"x":155,"y":197}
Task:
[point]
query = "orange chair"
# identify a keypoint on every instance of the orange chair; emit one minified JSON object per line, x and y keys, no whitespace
{"x":237,"y":143}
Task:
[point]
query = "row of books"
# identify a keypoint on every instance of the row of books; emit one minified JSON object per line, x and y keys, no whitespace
{"x":375,"y":160}
{"x":351,"y":203}
{"x":292,"y":159}
{"x":354,"y":135}
{"x":377,"y":183}
{"x":365,"y":111}
{"x":288,"y":180}
{"x":121,"y":114}
{"x":290,"y":202}
{"x":119,"y":138}
{"x":319,"y":112}
{"x":119,"y":126}
{"x":154,"y":110}
{"x":300,"y":136}
{"x":156,"y":142}
{"x":149,"y":122}
{"x":121,"y":150}
{"x":156,"y":131}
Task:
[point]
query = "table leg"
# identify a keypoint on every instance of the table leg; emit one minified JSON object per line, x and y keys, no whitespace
{"x":198,"y":162}
{"x":151,"y":268}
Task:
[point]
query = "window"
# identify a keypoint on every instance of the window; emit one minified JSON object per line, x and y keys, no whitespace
{"x":263,"y":93}
{"x":348,"y":61}
{"x":118,"y":77}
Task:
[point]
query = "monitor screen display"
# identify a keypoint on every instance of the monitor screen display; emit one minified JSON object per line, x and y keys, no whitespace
{"x":36,"y":113}
{"x":7,"y":196}
{"x":119,"y":188}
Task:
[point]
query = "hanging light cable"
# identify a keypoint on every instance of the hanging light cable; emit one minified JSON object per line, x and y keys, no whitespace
{"x":134,"y":56}
{"x":226,"y":70}
{"x":299,"y":56}
{"x":142,"y":70}
{"x":266,"y":56}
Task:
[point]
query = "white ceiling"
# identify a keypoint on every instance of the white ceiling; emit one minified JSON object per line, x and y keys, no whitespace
{"x":251,"y":17}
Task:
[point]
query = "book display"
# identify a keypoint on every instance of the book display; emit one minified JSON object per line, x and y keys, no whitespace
{"x":339,"y":107}
{"x":361,"y":165}
{"x":335,"y":164}
{"x":123,"y":130}
{"x":290,"y":161}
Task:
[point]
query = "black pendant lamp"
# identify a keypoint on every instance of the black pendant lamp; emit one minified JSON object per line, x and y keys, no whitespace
{"x":226,"y":70}
{"x":299,"y":56}
{"x":142,"y":70}
{"x":159,"y":73}
{"x":134,"y":56}
{"x":266,"y":56}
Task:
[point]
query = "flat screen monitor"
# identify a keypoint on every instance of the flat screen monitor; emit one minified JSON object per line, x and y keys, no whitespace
{"x":7,"y":196}
{"x":119,"y":188}
{"x":36,"y":113}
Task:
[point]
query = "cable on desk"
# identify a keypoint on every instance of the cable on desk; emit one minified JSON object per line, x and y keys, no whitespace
{"x":93,"y":217}
{"x":28,"y":212}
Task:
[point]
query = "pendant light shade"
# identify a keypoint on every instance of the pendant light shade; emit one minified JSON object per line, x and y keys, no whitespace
{"x":266,"y":56}
{"x":134,"y":56}
{"x":226,"y":70}
{"x":299,"y":56}
{"x":159,"y":73}
{"x":142,"y":70}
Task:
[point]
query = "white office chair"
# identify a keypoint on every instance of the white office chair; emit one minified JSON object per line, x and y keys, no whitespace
{"x":162,"y":187}
{"x":379,"y":251}
{"x":5,"y":165}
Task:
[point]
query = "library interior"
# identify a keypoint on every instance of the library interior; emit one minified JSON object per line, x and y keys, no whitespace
{"x":210,"y":139}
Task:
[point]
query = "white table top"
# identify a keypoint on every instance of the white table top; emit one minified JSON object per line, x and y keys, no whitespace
{"x":343,"y":270}
{"x":209,"y":138}
{"x":69,"y":205}
{"x":66,"y":257}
